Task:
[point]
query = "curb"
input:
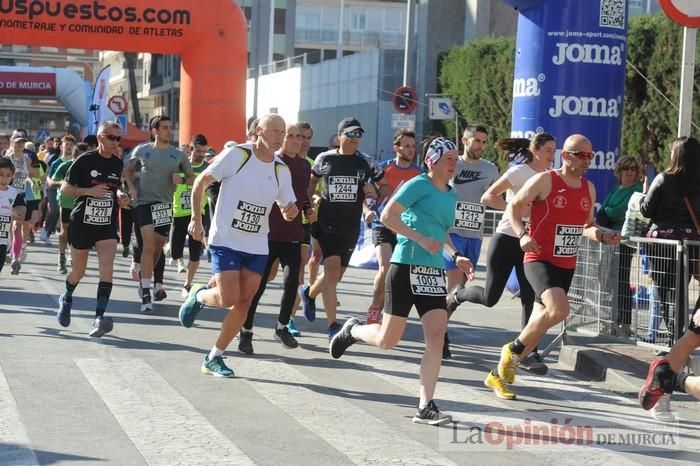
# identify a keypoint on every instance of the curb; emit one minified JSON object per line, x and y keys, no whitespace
{"x":590,"y":363}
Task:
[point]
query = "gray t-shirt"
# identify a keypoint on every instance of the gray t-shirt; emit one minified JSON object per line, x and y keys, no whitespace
{"x":471,"y":181}
{"x":156,"y":167}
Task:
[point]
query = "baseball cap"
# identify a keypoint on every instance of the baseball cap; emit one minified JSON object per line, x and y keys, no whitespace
{"x":349,"y":124}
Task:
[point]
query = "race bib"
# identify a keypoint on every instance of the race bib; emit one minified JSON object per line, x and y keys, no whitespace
{"x":5,"y":221}
{"x":161,"y":214}
{"x":98,"y":211}
{"x":427,"y":281}
{"x":567,"y":240}
{"x":469,"y":216}
{"x":19,"y":180}
{"x":342,"y":188}
{"x":249,"y":217}
{"x":186,"y":200}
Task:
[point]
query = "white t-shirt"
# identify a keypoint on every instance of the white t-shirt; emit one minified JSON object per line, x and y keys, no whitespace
{"x":249,"y":187}
{"x":516,"y":176}
{"x":7,"y":198}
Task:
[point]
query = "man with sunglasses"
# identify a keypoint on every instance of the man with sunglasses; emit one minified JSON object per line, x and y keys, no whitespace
{"x":94,"y":180}
{"x":347,"y":176}
{"x":160,"y":165}
{"x":561,"y":205}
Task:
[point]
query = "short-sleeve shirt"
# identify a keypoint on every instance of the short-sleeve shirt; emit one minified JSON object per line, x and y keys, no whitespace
{"x":88,"y":170}
{"x":182,"y":197}
{"x":156,"y":168}
{"x":7,"y":201}
{"x":343,"y":177}
{"x":395,"y":177}
{"x":429,"y":211}
{"x":21,"y":180}
{"x":62,"y":167}
{"x":471,"y":181}
{"x":249,"y":188}
{"x":516,"y":175}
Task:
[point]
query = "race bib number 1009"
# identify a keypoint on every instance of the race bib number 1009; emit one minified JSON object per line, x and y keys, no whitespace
{"x":567,"y":240}
{"x":428,"y":281}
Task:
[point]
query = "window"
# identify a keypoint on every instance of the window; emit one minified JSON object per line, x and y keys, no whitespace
{"x":16,"y":119}
{"x":20,"y":48}
{"x":76,"y":51}
{"x":309,"y":21}
{"x":393,"y":21}
{"x":358,"y":20}
{"x":49,"y":49}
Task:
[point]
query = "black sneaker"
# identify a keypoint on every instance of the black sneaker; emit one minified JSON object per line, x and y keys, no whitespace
{"x":159,"y":294}
{"x":431,"y":415}
{"x":283,"y":336}
{"x":446,"y":353}
{"x":343,"y":339}
{"x":245,"y":344}
{"x":534,"y":363}
{"x":452,"y":303}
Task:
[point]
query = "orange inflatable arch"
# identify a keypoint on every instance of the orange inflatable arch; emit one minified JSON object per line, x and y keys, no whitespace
{"x":209,"y":35}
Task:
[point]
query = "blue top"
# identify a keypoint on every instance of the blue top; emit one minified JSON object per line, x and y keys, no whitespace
{"x":429,"y":211}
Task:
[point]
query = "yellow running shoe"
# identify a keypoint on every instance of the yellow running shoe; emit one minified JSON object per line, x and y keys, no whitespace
{"x":507,"y":364}
{"x":499,"y":386}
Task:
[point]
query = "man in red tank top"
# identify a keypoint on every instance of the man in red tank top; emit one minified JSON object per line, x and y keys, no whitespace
{"x":561,"y":213}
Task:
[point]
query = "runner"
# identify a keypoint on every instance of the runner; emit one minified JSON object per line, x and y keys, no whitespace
{"x":159,"y":164}
{"x":347,"y":176}
{"x":252,"y":179}
{"x":10,"y":201}
{"x":57,"y":174}
{"x":396,"y":172}
{"x":182,"y":213}
{"x":562,"y":211}
{"x":94,"y":179}
{"x":284,"y":244}
{"x":421,"y":213}
{"x":527,"y":159}
{"x":472,"y":178}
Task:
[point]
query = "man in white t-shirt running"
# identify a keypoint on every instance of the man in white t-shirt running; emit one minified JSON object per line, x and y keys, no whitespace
{"x":252,"y":179}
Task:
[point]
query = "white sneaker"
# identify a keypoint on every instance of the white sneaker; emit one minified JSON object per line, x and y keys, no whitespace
{"x":662,"y":410}
{"x":181,"y":268}
{"x":185,"y":292}
{"x":44,"y":237}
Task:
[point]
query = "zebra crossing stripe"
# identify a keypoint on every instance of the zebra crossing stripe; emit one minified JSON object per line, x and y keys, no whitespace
{"x":357,"y":434}
{"x":14,"y":442}
{"x":162,"y":424}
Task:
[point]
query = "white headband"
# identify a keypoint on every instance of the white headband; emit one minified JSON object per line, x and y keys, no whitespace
{"x":437,"y":149}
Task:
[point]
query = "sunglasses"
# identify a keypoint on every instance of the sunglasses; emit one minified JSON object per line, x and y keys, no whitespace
{"x":629,"y":168}
{"x":113,"y":138}
{"x":581,"y":154}
{"x":355,"y":133}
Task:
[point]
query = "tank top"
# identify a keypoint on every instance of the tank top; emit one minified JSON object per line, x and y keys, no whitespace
{"x":557,"y":222}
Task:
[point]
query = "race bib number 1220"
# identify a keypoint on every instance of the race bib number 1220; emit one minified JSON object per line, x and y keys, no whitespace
{"x":567,"y":240}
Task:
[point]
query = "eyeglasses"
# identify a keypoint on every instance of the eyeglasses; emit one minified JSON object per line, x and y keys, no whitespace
{"x":355,"y":133}
{"x":112,"y":137}
{"x":629,"y":168}
{"x":581,"y":154}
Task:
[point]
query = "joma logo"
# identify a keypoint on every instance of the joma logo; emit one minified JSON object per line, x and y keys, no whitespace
{"x":523,"y":87}
{"x":584,"y":106}
{"x":587,"y":53}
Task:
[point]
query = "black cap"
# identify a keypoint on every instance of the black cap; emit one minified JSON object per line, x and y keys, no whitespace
{"x":349,"y":124}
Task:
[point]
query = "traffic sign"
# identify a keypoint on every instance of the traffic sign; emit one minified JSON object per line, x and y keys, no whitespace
{"x":117,"y":104}
{"x":42,"y":134}
{"x":121,"y":119}
{"x":401,"y":120}
{"x":405,"y":100}
{"x":441,"y":108}
{"x":684,"y":12}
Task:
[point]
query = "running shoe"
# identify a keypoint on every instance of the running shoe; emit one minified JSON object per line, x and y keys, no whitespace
{"x":333,"y":329}
{"x":446,"y":353}
{"x":662,"y":410}
{"x":343,"y":339}
{"x":452,"y":302}
{"x":135,"y":270}
{"x":245,"y":342}
{"x":62,"y":269}
{"x":507,"y":364}
{"x":160,"y":293}
{"x":431,"y":415}
{"x":293,"y":330}
{"x":185,"y":291}
{"x":15,"y":267}
{"x":283,"y":336}
{"x":100,"y":326}
{"x":308,"y":303}
{"x":181,"y":268}
{"x":44,"y":237}
{"x":534,"y":363}
{"x":190,"y":308}
{"x":63,"y":313}
{"x":146,"y":304}
{"x":499,"y":386}
{"x":659,"y":382}
{"x":216,"y":367}
{"x":373,"y":315}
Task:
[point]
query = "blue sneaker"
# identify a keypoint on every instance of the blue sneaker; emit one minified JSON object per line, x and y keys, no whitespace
{"x":190,"y":308}
{"x":333,"y":329}
{"x":293,"y":330}
{"x":63,"y":313}
{"x":308,"y":303}
{"x":216,"y":367}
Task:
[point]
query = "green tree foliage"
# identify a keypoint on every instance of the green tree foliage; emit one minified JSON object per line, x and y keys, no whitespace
{"x":479,"y":76}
